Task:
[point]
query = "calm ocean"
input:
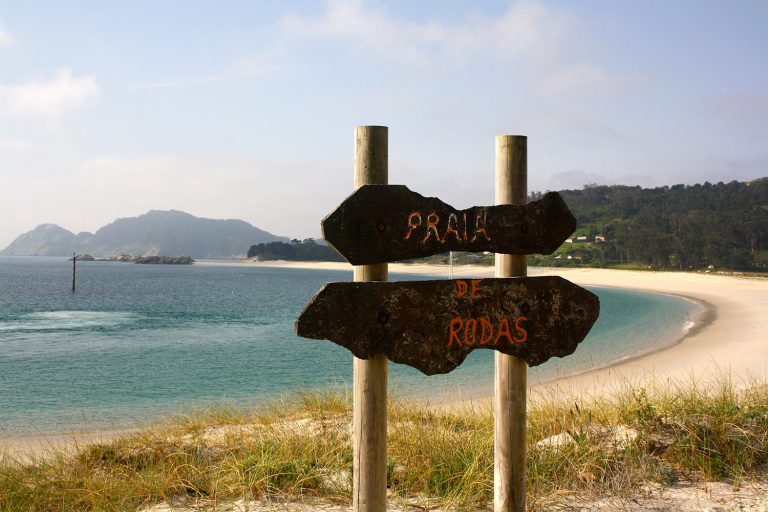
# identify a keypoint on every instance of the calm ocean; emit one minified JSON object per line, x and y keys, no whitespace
{"x":137,"y":341}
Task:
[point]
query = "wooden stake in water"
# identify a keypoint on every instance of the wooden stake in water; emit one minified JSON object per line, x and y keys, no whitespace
{"x":509,"y":404}
{"x":369,"y":449}
{"x":74,"y":269}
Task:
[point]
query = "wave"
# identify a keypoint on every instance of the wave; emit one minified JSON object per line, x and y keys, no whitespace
{"x":66,"y":321}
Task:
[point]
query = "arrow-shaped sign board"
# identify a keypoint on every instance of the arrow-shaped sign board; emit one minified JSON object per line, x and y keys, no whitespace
{"x":433,"y":325}
{"x":384,"y":223}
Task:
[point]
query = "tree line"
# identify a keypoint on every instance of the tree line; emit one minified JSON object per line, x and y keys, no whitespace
{"x":723,"y":225}
{"x":682,"y":227}
{"x":297,"y":250}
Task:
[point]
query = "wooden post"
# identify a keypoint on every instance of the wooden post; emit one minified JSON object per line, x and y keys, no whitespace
{"x":74,"y":269}
{"x":369,"y":448}
{"x":509,"y":405}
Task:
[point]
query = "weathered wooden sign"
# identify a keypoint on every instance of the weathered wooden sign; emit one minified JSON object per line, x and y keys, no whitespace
{"x":434,"y":325}
{"x":384,"y":223}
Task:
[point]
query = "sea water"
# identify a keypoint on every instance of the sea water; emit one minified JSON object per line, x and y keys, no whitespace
{"x":135,"y":342}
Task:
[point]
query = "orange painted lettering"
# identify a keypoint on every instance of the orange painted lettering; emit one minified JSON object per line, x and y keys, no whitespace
{"x":520,"y":333}
{"x":453,"y":224}
{"x":475,"y":288}
{"x":414,"y":221}
{"x":465,"y":226}
{"x":453,"y":331}
{"x":486,"y":330}
{"x":480,"y":227}
{"x":432,"y":220}
{"x":471,"y":322}
{"x":461,"y":288}
{"x":503,"y":331}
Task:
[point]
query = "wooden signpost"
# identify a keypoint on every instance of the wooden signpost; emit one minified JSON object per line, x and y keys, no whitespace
{"x":510,"y":383}
{"x":433,"y":325}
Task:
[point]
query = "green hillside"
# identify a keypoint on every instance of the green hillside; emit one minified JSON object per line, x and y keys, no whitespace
{"x":684,"y":227}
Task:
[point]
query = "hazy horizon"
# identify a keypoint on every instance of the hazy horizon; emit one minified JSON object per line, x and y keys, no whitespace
{"x":288,"y":235}
{"x":246,"y":111}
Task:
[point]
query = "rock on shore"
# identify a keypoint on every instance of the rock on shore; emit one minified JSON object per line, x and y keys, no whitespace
{"x":154,"y":260}
{"x":164,"y":260}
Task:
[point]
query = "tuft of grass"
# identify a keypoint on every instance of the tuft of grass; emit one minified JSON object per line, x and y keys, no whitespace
{"x":612,"y":444}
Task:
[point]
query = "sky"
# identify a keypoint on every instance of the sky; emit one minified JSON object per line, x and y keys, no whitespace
{"x":242,"y":109}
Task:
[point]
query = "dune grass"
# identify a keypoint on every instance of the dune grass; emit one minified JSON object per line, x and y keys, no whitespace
{"x":300,"y":447}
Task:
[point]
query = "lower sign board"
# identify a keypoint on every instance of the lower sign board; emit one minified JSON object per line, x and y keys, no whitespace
{"x":433,"y":325}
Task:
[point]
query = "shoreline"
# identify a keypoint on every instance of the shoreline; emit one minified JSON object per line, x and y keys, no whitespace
{"x":704,"y":315}
{"x":730,"y":334}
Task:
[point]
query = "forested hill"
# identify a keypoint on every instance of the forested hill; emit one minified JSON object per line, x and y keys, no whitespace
{"x":297,"y":250}
{"x":724,"y":225}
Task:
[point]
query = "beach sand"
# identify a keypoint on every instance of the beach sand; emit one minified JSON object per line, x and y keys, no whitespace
{"x":25,"y":448}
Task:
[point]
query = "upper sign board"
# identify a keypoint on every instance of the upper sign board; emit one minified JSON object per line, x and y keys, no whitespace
{"x":384,"y":223}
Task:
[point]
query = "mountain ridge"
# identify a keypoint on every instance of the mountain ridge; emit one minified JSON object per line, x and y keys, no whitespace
{"x":155,"y":233}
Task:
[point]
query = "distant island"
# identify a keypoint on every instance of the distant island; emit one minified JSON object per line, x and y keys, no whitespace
{"x":155,"y":233}
{"x":142,"y":260}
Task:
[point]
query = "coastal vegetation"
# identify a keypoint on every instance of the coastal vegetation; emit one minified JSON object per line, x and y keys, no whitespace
{"x":696,"y":227}
{"x":620,"y":444}
{"x":683,"y":227}
{"x":298,"y":250}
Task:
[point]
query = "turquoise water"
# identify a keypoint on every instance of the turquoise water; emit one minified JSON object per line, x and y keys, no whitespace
{"x":136,"y":341}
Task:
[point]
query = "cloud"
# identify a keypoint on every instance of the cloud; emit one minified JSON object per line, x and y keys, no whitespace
{"x":576,"y":179}
{"x":349,"y":19}
{"x":534,"y":37}
{"x":262,"y":63}
{"x":50,"y":100}
{"x":15,"y":144}
{"x":182,"y":83}
{"x":726,"y":168}
{"x":366,"y":28}
{"x":738,"y":108}
{"x":575,"y":126}
{"x":6,"y":39}
{"x":586,"y":79}
{"x":528,"y":29}
{"x":119,"y":166}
